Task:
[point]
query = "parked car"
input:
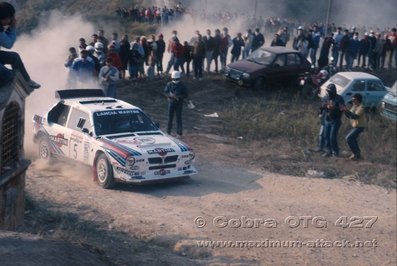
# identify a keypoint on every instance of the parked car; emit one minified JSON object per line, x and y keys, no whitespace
{"x":268,"y":64}
{"x":116,"y":138}
{"x":388,"y":105}
{"x":349,"y":83}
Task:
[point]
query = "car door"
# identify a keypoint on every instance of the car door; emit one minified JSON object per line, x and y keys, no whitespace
{"x":56,"y":129}
{"x":294,"y":65}
{"x":79,"y":125}
{"x":375,"y":91}
{"x":357,"y":86}
{"x":277,"y":71}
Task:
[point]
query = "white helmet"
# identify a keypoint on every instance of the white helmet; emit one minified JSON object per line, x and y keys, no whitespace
{"x":323,"y":74}
{"x":176,"y":75}
{"x":90,"y":48}
{"x":98,"y":46}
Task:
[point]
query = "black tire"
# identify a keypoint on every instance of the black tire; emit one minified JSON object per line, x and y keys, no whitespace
{"x":259,"y":83}
{"x":309,"y":92}
{"x":104,"y":172}
{"x":45,"y":151}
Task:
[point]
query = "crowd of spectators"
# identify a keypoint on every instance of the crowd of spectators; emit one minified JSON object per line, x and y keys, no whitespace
{"x":211,"y":50}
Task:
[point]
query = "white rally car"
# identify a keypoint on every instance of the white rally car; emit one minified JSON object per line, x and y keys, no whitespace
{"x":117,"y":139}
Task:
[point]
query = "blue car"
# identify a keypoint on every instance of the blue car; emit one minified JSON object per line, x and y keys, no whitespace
{"x":348,"y":83}
{"x":388,"y":106}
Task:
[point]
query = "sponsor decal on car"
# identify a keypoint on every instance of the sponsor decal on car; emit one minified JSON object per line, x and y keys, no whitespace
{"x":136,"y":141}
{"x":59,"y":140}
{"x":162,"y":172}
{"x":161,"y":151}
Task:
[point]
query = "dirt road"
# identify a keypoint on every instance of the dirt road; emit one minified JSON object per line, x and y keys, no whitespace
{"x":251,"y":216}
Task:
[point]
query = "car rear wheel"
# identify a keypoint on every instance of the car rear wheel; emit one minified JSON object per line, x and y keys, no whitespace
{"x":259,"y":83}
{"x":45,"y":150}
{"x":104,"y":172}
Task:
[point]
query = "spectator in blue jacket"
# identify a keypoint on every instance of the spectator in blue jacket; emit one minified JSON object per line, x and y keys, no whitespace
{"x":352,"y":51}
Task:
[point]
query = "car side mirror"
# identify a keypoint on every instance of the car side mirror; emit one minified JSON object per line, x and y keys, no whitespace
{"x":85,"y":130}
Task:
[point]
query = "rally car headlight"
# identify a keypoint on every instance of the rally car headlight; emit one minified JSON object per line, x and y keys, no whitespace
{"x":130,"y":161}
{"x":191,"y":155}
{"x":246,"y":75}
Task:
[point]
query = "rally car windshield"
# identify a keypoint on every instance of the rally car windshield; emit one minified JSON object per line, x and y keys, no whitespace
{"x":121,"y":121}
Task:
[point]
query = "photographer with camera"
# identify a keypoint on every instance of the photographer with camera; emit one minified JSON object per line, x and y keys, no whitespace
{"x":7,"y":40}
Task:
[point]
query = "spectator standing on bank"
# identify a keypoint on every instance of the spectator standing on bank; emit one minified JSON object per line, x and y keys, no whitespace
{"x":258,"y":40}
{"x":198,"y":57}
{"x":248,"y":38}
{"x":176,"y":93}
{"x":136,"y":58}
{"x":363,"y":51}
{"x":334,"y":106}
{"x":357,"y":121}
{"x":392,"y":36}
{"x":314,"y":44}
{"x":171,"y":61}
{"x":217,"y":48}
{"x":124,"y":54}
{"x":108,"y":77}
{"x":188,"y":56}
{"x":82,"y":44}
{"x":352,"y":51}
{"x":344,"y":43}
{"x":226,"y":42}
{"x":324,"y":52}
{"x":160,"y":54}
{"x":91,"y":53}
{"x":209,"y":49}
{"x":284,"y":36}
{"x":377,"y":51}
{"x":7,"y":40}
{"x":83,"y":68}
{"x":338,"y":35}
{"x":277,"y":41}
{"x":70,"y":82}
{"x":238,"y":43}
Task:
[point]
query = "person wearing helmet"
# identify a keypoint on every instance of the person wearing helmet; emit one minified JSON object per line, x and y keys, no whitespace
{"x":91,"y":54}
{"x":7,"y":40}
{"x":99,"y":53}
{"x":176,"y":93}
{"x":334,"y":106}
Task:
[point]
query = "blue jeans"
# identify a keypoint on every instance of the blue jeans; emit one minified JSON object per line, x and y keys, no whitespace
{"x":331,"y":136}
{"x":351,"y":139}
{"x":175,"y":108}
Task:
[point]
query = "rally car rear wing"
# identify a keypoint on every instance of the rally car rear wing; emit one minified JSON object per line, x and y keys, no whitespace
{"x":79,"y":93}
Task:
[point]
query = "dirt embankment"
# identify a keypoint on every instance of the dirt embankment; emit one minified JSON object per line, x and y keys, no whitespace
{"x":233,"y":212}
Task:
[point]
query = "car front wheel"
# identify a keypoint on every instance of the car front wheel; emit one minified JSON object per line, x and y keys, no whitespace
{"x":259,"y":83}
{"x":104,"y":172}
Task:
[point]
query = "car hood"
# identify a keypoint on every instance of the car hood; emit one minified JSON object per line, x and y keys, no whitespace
{"x":390,"y":97}
{"x":246,"y":66}
{"x":144,"y":145}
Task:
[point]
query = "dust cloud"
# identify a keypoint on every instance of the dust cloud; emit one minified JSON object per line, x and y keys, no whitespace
{"x":44,"y":52}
